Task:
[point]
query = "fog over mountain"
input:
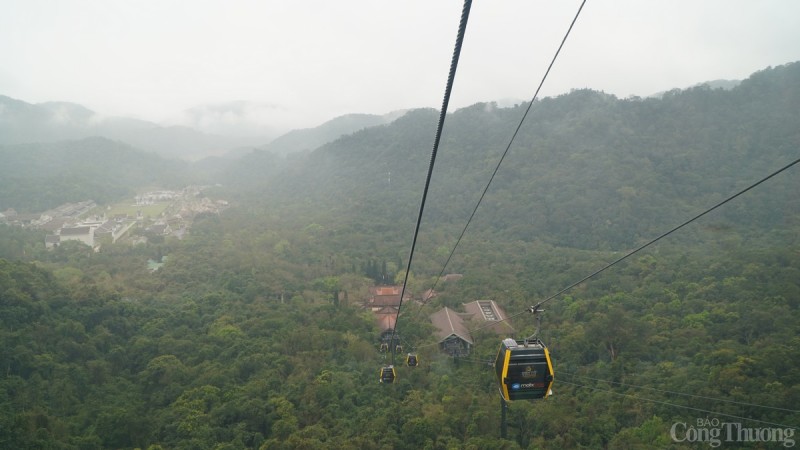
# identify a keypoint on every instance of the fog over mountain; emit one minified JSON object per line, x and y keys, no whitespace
{"x":219,"y":129}
{"x":310,"y":138}
{"x":22,"y":123}
{"x":256,"y":122}
{"x":228,"y":303}
{"x":209,"y":130}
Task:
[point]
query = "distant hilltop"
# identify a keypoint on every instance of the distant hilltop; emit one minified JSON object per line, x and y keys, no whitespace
{"x":715,"y":84}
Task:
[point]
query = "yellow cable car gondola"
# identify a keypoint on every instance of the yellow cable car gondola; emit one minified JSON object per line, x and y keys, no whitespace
{"x":412,"y":360}
{"x":387,"y":374}
{"x":524,"y":370}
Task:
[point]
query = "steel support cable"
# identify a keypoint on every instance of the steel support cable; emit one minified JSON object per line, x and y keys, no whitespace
{"x":511,"y":141}
{"x":679,"y":406}
{"x":507,"y":149}
{"x":462,"y":27}
{"x":643,"y":246}
{"x":561,"y":372}
{"x":488,"y":363}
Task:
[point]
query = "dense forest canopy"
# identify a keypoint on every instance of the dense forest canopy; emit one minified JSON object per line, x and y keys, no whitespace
{"x":252,"y":333}
{"x":587,"y":170}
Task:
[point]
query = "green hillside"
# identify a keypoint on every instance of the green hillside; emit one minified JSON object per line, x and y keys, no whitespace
{"x":252,"y":334}
{"x":54,"y":122}
{"x":36,"y":177}
{"x":587,"y":170}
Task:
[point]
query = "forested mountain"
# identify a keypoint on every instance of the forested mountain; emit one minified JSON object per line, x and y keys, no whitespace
{"x":36,"y":177}
{"x":308,"y":139}
{"x":25,"y":123}
{"x":586,"y":169}
{"x":252,"y":334}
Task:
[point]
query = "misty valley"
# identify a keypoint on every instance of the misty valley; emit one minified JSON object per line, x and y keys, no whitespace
{"x":162,"y":288}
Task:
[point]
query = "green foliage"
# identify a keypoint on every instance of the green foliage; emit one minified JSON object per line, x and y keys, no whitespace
{"x":252,"y":334}
{"x":587,"y":170}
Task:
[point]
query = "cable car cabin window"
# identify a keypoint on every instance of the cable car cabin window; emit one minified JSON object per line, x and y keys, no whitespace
{"x":524,"y":372}
{"x":387,"y":374}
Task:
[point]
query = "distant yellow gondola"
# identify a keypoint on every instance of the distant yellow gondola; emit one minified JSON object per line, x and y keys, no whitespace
{"x":387,"y":374}
{"x":524,"y":370}
{"x":412,"y":360}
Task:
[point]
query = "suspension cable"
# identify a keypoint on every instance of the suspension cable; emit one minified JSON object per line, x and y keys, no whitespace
{"x":511,"y":141}
{"x":643,"y":246}
{"x":664,"y":391}
{"x":462,"y":27}
{"x":679,"y":406}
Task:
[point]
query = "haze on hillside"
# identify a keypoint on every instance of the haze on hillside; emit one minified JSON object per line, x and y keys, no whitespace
{"x":244,"y":306}
{"x":259,"y":69}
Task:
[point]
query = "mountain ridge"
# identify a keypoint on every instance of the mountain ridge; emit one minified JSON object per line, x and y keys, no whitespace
{"x":24,"y":123}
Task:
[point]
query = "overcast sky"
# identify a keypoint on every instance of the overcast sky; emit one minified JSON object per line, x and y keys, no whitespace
{"x":301,"y":62}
